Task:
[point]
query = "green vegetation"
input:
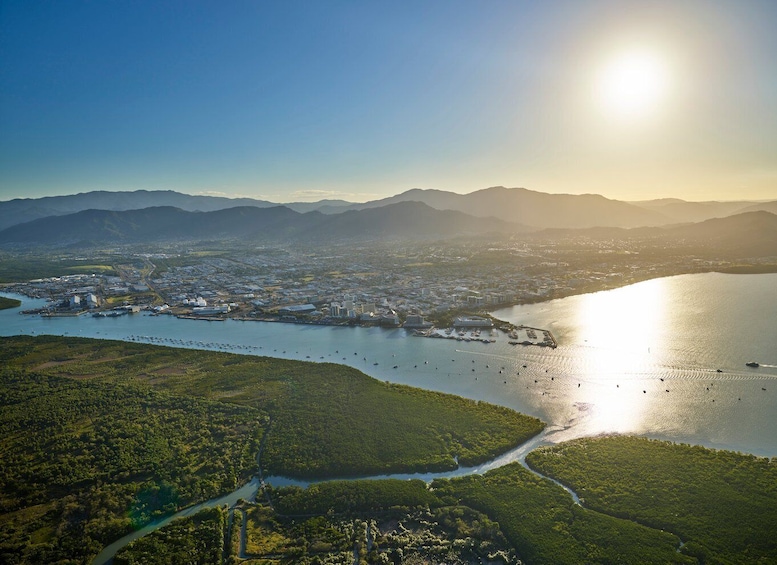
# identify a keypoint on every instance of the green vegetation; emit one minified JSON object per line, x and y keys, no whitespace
{"x":6,"y":303}
{"x":453,"y":535}
{"x":343,"y":497}
{"x":196,"y":540}
{"x":98,"y":437}
{"x":266,"y":535}
{"x":28,"y":266}
{"x":84,"y":462}
{"x":233,"y":541}
{"x":345,"y":424}
{"x":538,"y":521}
{"x":327,"y":420}
{"x":546,"y":527}
{"x":722,"y":504}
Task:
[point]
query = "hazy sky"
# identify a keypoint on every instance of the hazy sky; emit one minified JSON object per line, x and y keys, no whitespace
{"x":358,"y":100}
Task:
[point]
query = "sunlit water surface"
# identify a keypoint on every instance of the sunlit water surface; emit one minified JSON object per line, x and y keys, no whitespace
{"x":643,"y":359}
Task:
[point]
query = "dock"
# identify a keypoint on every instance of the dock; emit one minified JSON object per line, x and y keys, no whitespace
{"x":522,"y":335}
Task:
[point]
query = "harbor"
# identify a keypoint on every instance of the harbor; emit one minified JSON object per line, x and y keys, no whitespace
{"x":521,"y":335}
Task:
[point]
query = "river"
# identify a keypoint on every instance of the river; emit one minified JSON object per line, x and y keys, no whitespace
{"x":664,"y":358}
{"x":619,"y":353}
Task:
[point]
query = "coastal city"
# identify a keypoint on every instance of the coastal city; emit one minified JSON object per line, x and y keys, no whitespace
{"x":425,"y":288}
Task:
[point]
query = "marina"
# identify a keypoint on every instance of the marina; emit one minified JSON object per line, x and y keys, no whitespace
{"x":522,"y":335}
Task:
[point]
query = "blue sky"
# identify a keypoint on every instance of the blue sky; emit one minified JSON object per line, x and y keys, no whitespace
{"x":359,"y":100}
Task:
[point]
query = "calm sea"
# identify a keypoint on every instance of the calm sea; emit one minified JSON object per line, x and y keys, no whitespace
{"x":663,"y":358}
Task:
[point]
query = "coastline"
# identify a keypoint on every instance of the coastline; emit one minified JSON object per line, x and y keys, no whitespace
{"x":562,"y":434}
{"x":499,"y":323}
{"x":518,"y":376}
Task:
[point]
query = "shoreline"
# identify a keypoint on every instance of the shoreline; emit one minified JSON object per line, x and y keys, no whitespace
{"x":499,"y":323}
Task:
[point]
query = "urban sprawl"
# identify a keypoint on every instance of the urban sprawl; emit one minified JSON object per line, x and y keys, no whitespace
{"x":417,"y":286}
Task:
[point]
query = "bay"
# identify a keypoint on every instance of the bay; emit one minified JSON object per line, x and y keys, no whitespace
{"x":663,"y":358}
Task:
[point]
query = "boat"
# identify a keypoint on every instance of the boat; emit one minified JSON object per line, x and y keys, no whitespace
{"x":752,"y":364}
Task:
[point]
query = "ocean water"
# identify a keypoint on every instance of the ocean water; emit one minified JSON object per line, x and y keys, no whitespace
{"x":663,"y":358}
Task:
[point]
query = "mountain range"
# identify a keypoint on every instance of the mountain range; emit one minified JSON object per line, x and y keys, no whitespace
{"x":750,"y":234}
{"x":515,"y":205}
{"x":403,"y":220}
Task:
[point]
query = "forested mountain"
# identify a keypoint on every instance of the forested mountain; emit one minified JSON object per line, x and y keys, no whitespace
{"x":406,"y":220}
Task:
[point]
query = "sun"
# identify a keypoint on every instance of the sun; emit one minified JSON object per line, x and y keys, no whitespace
{"x":632,"y":84}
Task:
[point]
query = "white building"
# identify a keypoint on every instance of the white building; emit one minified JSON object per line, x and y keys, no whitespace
{"x":210,"y":310}
{"x":472,"y":322}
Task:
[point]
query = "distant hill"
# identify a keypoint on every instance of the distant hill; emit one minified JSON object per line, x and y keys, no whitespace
{"x":743,"y":235}
{"x":514,"y":205}
{"x":22,"y":210}
{"x":407,"y":220}
{"x":750,"y":234}
{"x":528,"y":207}
{"x":681,"y":211}
{"x":151,"y":224}
{"x":747,"y":234}
{"x":770,"y":207}
{"x":304,"y":207}
{"x":413,"y":220}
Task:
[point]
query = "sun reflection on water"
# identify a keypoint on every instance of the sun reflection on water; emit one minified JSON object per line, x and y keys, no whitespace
{"x":613,"y":397}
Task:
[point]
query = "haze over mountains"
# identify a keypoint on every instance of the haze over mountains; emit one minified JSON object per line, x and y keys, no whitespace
{"x":682,"y":211}
{"x":749,"y":234}
{"x":405,"y":220}
{"x":516,"y":205}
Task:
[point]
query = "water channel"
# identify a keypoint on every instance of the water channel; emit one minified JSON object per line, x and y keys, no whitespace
{"x":664,"y":358}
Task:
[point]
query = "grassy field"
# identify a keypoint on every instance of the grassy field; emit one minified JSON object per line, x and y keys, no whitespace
{"x":25,"y":267}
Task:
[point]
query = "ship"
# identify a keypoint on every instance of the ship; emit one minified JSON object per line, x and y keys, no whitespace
{"x":752,"y":364}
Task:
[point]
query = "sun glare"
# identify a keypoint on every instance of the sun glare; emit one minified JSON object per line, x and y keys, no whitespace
{"x":632,"y":84}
